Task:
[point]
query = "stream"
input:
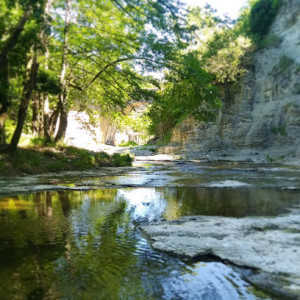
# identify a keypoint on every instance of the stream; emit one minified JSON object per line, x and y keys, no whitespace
{"x":77,"y":236}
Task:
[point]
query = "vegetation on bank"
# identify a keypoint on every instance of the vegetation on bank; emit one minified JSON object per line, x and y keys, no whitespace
{"x":219,"y":56}
{"x":96,"y":57}
{"x":37,"y":159}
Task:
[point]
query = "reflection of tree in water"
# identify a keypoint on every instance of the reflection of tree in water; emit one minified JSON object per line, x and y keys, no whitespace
{"x":101,"y":250}
{"x":239,"y":202}
{"x":83,"y":245}
{"x":35,"y":241}
{"x":64,"y":202}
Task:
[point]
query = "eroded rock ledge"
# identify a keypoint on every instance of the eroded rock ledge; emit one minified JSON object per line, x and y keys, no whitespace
{"x":270,"y":245}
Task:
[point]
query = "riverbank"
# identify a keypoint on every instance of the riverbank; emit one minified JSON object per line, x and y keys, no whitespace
{"x":39,"y":160}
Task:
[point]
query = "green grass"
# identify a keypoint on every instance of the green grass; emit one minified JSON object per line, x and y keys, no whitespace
{"x":128,"y":144}
{"x":36,"y":160}
{"x":56,"y":166}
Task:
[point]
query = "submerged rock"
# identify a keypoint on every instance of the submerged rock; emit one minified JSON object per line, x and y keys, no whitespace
{"x":270,"y":245}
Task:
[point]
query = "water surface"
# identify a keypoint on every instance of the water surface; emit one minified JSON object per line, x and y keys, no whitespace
{"x":87,"y":244}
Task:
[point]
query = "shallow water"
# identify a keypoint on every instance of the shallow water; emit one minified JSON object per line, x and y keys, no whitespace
{"x":87,"y":245}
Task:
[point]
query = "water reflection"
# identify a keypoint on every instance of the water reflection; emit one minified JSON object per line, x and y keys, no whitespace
{"x":150,"y":204}
{"x":86,"y":245}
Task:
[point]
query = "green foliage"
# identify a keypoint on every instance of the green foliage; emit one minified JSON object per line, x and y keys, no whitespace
{"x":271,"y":159}
{"x":47,"y":82}
{"x":39,"y":160}
{"x":102,"y":156}
{"x":270,"y":41}
{"x":27,"y":159}
{"x":122,"y":160}
{"x":262,"y":14}
{"x":280,"y":130}
{"x":37,"y":141}
{"x":186,"y":91}
{"x":111,"y":48}
{"x":256,"y":19}
{"x":128,"y":144}
{"x":225,"y":59}
{"x":166,"y":138}
{"x":136,"y":122}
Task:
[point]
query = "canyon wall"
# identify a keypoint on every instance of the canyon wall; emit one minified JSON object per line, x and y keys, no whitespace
{"x":261,"y":121}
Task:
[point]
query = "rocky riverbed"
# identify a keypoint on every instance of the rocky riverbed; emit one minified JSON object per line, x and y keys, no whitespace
{"x":269,"y":245}
{"x":244,"y":217}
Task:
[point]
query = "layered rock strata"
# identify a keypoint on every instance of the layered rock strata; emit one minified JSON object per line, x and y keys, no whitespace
{"x":261,"y":121}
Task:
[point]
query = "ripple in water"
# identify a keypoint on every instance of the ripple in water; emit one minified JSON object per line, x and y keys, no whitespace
{"x":87,"y":245}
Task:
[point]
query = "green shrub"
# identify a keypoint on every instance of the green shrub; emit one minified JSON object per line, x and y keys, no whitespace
{"x":128,"y":144}
{"x":102,"y":158}
{"x":262,"y":14}
{"x":82,"y":164}
{"x":37,"y":141}
{"x":280,"y":130}
{"x":122,"y":160}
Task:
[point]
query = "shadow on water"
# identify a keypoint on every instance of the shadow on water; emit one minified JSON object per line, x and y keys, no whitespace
{"x":87,"y":245}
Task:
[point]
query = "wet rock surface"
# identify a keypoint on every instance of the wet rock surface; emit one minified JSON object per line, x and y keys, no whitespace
{"x":224,"y":192}
{"x":269,"y":245}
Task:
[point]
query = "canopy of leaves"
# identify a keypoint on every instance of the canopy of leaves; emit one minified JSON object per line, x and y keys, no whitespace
{"x":262,"y":14}
{"x":186,"y":91}
{"x":112,"y":47}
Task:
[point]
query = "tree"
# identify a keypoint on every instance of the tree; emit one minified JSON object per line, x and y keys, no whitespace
{"x":100,"y":52}
{"x":188,"y":90}
{"x":14,"y":48}
{"x":29,"y":85}
{"x":106,"y":43}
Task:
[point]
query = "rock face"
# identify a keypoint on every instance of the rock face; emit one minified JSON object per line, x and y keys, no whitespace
{"x":269,"y":245}
{"x":262,"y":120}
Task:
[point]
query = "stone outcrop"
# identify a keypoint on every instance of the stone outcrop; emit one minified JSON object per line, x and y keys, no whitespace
{"x":269,"y":245}
{"x":262,"y":119}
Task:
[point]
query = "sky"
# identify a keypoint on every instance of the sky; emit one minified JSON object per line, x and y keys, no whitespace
{"x":230,"y":7}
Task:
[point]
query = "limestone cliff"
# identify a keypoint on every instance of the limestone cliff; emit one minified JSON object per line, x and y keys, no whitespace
{"x":262,"y":120}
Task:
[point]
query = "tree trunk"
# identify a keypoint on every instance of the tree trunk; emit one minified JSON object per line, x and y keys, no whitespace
{"x":4,"y":100}
{"x":3,"y":115}
{"x":35,"y":115}
{"x":53,"y":121}
{"x":46,"y":118}
{"x":63,"y":97}
{"x":63,"y":120}
{"x":45,"y":103}
{"x":29,"y":85}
